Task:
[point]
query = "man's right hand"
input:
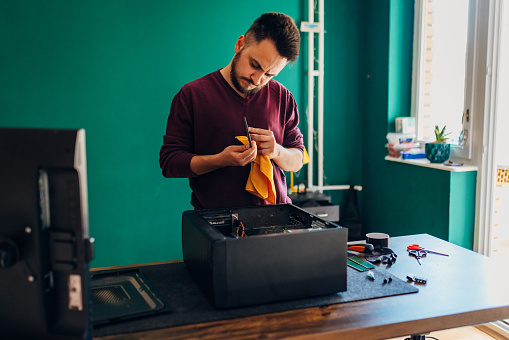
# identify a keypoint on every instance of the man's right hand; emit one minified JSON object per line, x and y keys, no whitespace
{"x":233,"y":155}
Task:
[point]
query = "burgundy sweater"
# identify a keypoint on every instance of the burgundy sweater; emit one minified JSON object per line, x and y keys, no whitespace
{"x":205,"y":116}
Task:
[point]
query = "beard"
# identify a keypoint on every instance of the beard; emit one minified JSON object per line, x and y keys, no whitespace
{"x":236,"y":79}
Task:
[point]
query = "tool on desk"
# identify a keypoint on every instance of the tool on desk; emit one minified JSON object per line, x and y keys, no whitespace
{"x":383,"y":255}
{"x":418,"y":247}
{"x":356,"y":266}
{"x":360,"y":262}
{"x":418,"y":254}
{"x":416,"y":279}
{"x":362,"y":248}
{"x":378,"y":240}
{"x":247,"y":132}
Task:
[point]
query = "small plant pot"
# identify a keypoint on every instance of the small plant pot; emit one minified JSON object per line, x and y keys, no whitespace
{"x":437,"y":152}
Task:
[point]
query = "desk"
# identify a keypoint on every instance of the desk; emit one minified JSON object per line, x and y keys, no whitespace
{"x":463,"y":289}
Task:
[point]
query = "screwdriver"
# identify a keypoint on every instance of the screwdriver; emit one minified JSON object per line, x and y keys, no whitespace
{"x":247,"y":132}
{"x":362,"y":248}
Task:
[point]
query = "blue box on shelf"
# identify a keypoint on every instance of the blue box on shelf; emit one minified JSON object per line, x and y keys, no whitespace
{"x":412,"y":154}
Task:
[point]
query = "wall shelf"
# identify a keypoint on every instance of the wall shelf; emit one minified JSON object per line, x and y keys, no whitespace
{"x":425,"y":163}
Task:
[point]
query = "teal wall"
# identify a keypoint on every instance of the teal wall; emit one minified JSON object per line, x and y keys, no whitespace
{"x":113,"y":67}
{"x":343,"y":119}
{"x":462,"y":208}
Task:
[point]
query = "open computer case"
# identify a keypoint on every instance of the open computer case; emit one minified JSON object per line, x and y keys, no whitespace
{"x":262,"y":254}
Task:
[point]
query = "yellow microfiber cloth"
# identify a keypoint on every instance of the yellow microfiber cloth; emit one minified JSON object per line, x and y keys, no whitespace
{"x":261,"y":177}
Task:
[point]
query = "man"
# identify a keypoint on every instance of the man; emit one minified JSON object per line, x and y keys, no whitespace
{"x":208,"y":113}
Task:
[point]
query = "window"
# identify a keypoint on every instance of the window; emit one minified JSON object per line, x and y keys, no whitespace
{"x":444,"y":34}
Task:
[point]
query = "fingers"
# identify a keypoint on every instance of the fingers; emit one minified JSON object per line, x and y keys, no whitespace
{"x":240,"y":155}
{"x":238,"y":148}
{"x":266,"y":141}
{"x":248,"y":155}
{"x":264,"y":137}
{"x":261,"y":134}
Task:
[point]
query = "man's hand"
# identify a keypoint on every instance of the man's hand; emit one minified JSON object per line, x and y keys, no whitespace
{"x":266,"y":142}
{"x":286,"y":159}
{"x":238,"y":155}
{"x":233,"y":155}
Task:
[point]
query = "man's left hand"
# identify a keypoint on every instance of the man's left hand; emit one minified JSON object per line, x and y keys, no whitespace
{"x":286,"y":159}
{"x":266,"y":142}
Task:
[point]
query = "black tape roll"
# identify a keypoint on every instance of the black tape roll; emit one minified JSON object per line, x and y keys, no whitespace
{"x":378,"y":240}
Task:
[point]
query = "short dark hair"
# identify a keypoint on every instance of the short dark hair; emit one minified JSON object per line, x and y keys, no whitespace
{"x":281,"y":29}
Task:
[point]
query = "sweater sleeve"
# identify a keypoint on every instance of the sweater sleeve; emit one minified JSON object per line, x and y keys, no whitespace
{"x":293,"y":137}
{"x":178,"y":142}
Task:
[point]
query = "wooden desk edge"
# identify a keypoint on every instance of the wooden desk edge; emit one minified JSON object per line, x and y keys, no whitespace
{"x":126,"y":266}
{"x":268,"y":326}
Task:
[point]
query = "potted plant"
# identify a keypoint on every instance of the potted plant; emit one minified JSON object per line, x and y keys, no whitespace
{"x":439,"y":150}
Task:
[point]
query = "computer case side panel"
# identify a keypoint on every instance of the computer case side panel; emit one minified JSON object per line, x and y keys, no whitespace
{"x":300,"y":265}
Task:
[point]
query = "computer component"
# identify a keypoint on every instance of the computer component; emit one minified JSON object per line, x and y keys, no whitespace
{"x":255,"y":255}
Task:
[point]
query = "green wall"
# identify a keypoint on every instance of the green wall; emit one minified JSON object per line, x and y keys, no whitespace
{"x":343,"y":127}
{"x":113,"y":67}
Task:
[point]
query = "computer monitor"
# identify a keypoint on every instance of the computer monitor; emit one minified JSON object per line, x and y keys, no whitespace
{"x":45,"y":247}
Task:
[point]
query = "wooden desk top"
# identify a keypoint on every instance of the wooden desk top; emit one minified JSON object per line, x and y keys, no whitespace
{"x":463,"y":289}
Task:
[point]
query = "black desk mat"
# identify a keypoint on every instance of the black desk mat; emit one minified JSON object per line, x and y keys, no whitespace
{"x":189,"y":305}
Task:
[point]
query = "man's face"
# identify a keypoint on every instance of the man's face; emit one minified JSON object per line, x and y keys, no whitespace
{"x":254,"y":65}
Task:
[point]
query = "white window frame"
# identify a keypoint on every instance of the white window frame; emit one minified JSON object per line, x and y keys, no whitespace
{"x":480,"y":99}
{"x":477,"y":24}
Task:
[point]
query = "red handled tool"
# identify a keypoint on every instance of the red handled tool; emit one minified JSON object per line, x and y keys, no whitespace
{"x":362,"y":248}
{"x":418,"y":254}
{"x":419,"y":248}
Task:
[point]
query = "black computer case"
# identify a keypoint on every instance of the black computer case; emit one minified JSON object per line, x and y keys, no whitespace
{"x":262,"y":254}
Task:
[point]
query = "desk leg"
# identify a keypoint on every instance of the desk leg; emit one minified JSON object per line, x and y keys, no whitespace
{"x":417,"y":337}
